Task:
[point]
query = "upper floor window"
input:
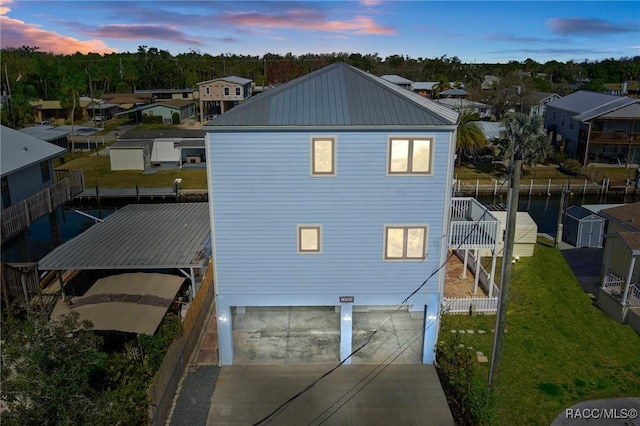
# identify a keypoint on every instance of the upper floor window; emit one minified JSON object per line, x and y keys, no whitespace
{"x":45,"y":171}
{"x":405,"y":242}
{"x":238,"y":91}
{"x":226,"y":91}
{"x":208,"y":90}
{"x":410,"y":156}
{"x":309,"y":237}
{"x":323,"y":156}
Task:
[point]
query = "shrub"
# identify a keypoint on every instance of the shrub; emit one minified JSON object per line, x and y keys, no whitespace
{"x":468,"y":396}
{"x":155,"y":347}
{"x":175,"y":118}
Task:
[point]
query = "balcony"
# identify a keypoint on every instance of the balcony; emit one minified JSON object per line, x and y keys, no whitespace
{"x":472,"y":226}
{"x":614,"y":138}
{"x":19,"y":216}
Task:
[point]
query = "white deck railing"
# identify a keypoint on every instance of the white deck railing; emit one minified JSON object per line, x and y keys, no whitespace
{"x":614,"y":285}
{"x":472,"y":225}
{"x":463,"y":305}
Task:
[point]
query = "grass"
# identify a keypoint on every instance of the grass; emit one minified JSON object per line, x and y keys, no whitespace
{"x":97,"y":171}
{"x":559,"y":348}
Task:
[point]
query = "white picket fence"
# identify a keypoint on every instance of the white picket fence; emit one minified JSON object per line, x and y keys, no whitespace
{"x":463,"y":305}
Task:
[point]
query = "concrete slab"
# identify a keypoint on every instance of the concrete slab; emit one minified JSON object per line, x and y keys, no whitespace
{"x":351,"y":395}
{"x":585,"y":264}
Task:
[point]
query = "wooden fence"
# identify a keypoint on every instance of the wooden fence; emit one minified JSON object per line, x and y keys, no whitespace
{"x":165,"y":382}
{"x":19,"y":216}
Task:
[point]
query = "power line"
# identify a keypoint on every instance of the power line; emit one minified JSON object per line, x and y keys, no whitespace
{"x":296,"y":396}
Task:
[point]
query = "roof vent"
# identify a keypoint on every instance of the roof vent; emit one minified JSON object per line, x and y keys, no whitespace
{"x":25,"y":148}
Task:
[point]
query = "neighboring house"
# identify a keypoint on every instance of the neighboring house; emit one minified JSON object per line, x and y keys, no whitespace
{"x":398,"y":81}
{"x":168,"y":94}
{"x":221,"y":94}
{"x":483,"y":110}
{"x":333,"y":189}
{"x":454,"y":93}
{"x":622,"y":89}
{"x":141,"y":149}
{"x":51,"y":111}
{"x":165,"y":109}
{"x":535,"y":103}
{"x":424,"y":88}
{"x":30,"y":188}
{"x":97,"y":110}
{"x":57,"y":135}
{"x":597,"y":127}
{"x":620,"y":290}
{"x":26,"y":165}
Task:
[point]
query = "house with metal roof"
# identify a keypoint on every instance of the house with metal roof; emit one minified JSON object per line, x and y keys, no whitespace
{"x":405,"y":83}
{"x":185,"y":109}
{"x":332,"y":190}
{"x":620,"y":286}
{"x":30,"y":188}
{"x":221,"y":94}
{"x":597,"y":127}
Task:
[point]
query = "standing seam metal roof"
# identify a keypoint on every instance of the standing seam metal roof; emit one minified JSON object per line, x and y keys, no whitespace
{"x":338,"y":95}
{"x":138,"y":236}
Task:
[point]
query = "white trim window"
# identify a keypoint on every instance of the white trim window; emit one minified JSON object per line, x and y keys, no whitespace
{"x":238,"y":91}
{"x":309,"y":239}
{"x":410,"y":156}
{"x":227,"y":91}
{"x":405,"y":242}
{"x":323,"y":156}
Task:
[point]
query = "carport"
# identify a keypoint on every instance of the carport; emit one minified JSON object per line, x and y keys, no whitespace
{"x":139,"y":237}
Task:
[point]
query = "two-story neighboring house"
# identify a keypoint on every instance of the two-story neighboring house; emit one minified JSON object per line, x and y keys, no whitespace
{"x":597,"y":127}
{"x":333,"y":189}
{"x":221,"y":94}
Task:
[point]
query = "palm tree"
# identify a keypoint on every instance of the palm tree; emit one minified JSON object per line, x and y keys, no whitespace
{"x":470,"y":137}
{"x":525,"y":133}
{"x":72,"y":86}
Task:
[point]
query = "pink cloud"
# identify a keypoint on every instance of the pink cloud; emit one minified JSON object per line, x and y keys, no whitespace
{"x":370,"y":2}
{"x":16,"y":33}
{"x":309,"y":21}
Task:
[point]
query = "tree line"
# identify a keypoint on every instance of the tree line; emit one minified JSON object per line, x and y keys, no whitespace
{"x":31,"y":74}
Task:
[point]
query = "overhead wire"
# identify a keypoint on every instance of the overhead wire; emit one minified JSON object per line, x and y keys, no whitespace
{"x":282,"y":406}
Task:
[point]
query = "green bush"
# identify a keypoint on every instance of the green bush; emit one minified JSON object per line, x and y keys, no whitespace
{"x":151,"y":119}
{"x":155,"y":347}
{"x":468,"y":396}
{"x":175,"y":118}
{"x":572,"y":165}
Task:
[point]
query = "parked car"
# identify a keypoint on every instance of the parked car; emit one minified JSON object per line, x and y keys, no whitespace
{"x":98,"y":118}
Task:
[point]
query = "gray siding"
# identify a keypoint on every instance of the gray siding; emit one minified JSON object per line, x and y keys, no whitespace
{"x":261,"y":189}
{"x":27,"y":181}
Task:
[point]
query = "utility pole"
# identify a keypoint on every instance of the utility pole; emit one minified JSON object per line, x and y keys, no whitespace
{"x":507,"y":266}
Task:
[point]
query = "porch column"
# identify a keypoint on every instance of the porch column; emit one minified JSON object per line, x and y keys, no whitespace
{"x":225,"y":334}
{"x":492,"y":281}
{"x":464,"y":261}
{"x":193,"y":283}
{"x":59,"y":275}
{"x":477,"y":277}
{"x":607,"y":263}
{"x":627,"y":283}
{"x":346,"y":332}
{"x":430,"y":327}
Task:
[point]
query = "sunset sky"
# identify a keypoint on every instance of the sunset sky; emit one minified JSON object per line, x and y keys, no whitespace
{"x":474,"y":31}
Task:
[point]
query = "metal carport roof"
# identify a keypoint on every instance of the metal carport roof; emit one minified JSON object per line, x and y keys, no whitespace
{"x":139,"y":236}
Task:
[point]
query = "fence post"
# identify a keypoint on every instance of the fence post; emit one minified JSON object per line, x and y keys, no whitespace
{"x":549,"y":188}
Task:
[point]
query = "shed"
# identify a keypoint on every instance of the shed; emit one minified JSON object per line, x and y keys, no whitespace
{"x":526,"y":234}
{"x":583,"y":228}
{"x":130,"y":154}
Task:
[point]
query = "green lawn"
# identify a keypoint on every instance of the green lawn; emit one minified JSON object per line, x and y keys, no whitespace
{"x":97,"y":171}
{"x":559,"y":349}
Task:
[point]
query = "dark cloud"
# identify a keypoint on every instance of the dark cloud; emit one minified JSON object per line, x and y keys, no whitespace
{"x":587,"y":26}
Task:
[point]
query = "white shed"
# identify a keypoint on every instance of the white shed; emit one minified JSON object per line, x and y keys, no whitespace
{"x":130,"y":155}
{"x":526,"y":234}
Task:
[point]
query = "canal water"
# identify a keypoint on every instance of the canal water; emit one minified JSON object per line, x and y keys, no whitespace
{"x":33,"y":245}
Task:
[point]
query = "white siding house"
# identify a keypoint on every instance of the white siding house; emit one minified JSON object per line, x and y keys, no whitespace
{"x":333,"y":189}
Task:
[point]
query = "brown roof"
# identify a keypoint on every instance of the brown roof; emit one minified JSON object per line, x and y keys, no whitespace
{"x":631,"y":239}
{"x":628,"y":214}
{"x":127,"y":100}
{"x":108,"y":96}
{"x":176,"y":103}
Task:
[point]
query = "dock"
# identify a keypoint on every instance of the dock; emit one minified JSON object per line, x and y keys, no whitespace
{"x":135,"y":193}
